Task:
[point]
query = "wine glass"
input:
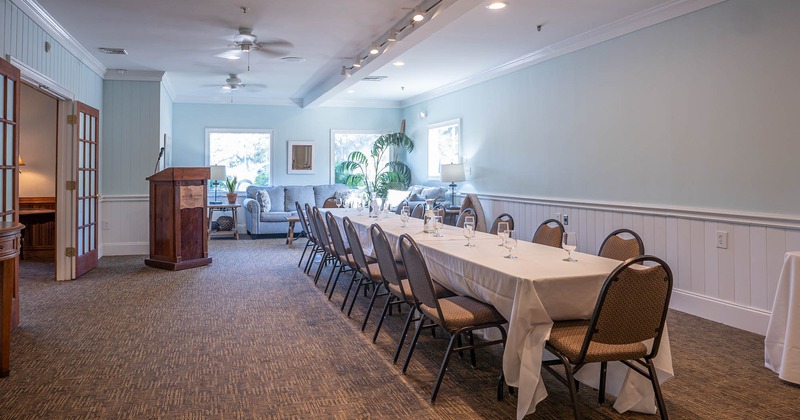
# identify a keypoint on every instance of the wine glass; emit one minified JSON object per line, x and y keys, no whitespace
{"x":502,"y":228}
{"x":404,"y":215}
{"x":438,"y":223}
{"x":569,"y":241}
{"x":360,"y":206}
{"x":469,"y":232}
{"x":510,"y":242}
{"x":338,"y":202}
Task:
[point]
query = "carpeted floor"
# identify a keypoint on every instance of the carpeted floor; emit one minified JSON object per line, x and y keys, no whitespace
{"x":250,"y":336}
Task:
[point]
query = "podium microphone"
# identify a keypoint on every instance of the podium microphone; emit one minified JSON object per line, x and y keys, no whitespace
{"x":160,"y":154}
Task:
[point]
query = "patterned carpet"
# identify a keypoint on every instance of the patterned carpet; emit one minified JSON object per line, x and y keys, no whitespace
{"x":250,"y":336}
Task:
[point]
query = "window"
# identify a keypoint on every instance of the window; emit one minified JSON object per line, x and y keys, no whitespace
{"x":444,"y":146}
{"x":344,"y":142}
{"x":244,"y":153}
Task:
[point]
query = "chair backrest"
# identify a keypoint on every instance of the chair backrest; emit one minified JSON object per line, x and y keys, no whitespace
{"x":321,"y":230}
{"x":503,"y":217}
{"x":419,"y":211}
{"x":329,"y":203}
{"x":468,"y":212}
{"x":419,"y":279}
{"x":400,"y":206}
{"x":355,"y":245}
{"x":472,"y":201}
{"x":310,"y":221}
{"x":304,"y":221}
{"x":632,"y":306}
{"x":336,"y":236}
{"x":549,"y":235}
{"x":386,"y":260}
{"x":618,"y":248}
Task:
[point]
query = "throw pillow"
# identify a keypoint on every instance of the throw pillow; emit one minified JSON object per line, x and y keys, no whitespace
{"x":263,"y":201}
{"x":415,"y":197}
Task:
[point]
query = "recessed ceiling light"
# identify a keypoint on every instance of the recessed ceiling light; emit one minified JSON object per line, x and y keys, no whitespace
{"x":418,"y":16}
{"x":497,"y":5}
{"x":399,"y":63}
{"x":293,"y":59}
{"x":351,"y":91}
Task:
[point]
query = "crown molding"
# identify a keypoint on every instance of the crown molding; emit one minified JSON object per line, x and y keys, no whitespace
{"x":168,"y":86}
{"x":37,"y":13}
{"x":604,"y":33}
{"x":365,"y":103}
{"x":134,"y":75}
{"x":237,"y":100}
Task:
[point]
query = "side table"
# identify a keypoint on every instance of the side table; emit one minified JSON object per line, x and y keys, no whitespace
{"x":290,"y":234}
{"x":224,"y":208}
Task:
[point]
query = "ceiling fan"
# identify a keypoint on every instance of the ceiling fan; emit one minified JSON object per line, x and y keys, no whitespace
{"x":233,"y":82}
{"x":246,"y":42}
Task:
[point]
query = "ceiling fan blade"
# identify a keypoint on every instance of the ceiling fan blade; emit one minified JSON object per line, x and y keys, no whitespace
{"x":255,"y":86}
{"x":230,"y":54}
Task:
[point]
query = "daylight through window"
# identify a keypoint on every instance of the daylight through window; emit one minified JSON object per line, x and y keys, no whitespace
{"x":444,"y":146}
{"x":245,"y":154}
{"x":346,"y":142}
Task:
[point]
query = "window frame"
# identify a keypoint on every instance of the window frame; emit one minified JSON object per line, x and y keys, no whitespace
{"x":454,"y":121}
{"x":271,"y":132}
{"x":332,"y":174}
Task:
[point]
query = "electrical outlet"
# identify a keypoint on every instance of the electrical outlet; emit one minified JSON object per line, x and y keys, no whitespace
{"x":565,"y":219}
{"x":722,"y":239}
{"x":106,"y":225}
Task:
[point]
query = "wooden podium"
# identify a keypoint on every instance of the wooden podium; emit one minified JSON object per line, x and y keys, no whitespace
{"x":178,"y":224}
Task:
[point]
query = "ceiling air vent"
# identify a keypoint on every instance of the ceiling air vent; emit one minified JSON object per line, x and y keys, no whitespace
{"x":374,"y":78}
{"x":117,"y":51}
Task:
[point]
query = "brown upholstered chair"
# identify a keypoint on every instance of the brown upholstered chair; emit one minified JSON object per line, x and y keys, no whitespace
{"x":368,"y":269}
{"x":618,"y":248}
{"x":329,"y":203}
{"x":324,"y":241}
{"x":462,"y":217}
{"x":630,"y":310}
{"x":312,"y":242}
{"x":503,"y":217}
{"x":549,"y":233}
{"x":317,"y":249}
{"x":344,"y":258}
{"x":396,"y":283}
{"x":419,"y":211}
{"x":457,"y":315}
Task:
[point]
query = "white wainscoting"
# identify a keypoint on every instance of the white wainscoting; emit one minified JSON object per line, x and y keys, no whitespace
{"x":734,"y":286}
{"x":127,"y":217}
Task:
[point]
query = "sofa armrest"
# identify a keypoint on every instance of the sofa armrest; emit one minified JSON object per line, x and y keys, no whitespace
{"x":251,"y":205}
{"x":252,"y":213}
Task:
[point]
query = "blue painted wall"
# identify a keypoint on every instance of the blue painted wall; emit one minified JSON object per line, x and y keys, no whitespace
{"x":699,"y":111}
{"x":289,"y":124}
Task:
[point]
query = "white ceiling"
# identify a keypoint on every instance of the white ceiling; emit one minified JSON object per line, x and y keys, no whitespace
{"x":463,"y":43}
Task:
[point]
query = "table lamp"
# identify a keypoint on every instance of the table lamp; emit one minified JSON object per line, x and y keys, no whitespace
{"x":452,"y":173}
{"x":217,"y":175}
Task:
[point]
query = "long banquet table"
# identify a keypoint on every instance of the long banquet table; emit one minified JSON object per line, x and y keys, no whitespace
{"x":530,"y":292}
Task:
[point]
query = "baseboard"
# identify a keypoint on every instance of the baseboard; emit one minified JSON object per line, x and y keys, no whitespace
{"x":125,"y":248}
{"x":737,"y":316}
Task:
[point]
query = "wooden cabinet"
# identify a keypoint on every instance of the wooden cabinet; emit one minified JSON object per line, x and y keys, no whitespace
{"x":178,"y":219}
{"x":9,"y":289}
{"x":38,"y":214}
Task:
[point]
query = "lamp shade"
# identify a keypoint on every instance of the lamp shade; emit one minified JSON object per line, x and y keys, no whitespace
{"x":218,"y":173}
{"x":453,"y":172}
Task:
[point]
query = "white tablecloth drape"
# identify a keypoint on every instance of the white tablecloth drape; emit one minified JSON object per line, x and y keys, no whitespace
{"x":782,"y":343}
{"x":530,"y":292}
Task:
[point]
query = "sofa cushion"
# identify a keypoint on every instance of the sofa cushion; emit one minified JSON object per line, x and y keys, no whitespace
{"x":300,"y":193}
{"x":276,"y":195}
{"x":264,"y":202}
{"x":324,"y":192}
{"x":415,"y":189}
{"x":433,"y":193}
{"x":275,"y":216}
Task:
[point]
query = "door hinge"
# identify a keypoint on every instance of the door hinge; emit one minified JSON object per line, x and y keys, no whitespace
{"x":72,"y":186}
{"x":72,"y":119}
{"x":70,"y":252}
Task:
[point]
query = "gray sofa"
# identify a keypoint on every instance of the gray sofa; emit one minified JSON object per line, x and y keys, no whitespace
{"x":282,"y":199}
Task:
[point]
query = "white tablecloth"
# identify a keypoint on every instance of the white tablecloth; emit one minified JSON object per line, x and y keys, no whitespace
{"x":530,"y":292}
{"x":782,"y":343}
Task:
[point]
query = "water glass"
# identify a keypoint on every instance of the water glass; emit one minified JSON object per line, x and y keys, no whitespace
{"x":404,"y":215}
{"x":569,"y":241}
{"x":510,"y":243}
{"x":502,"y":229}
{"x":338,"y":202}
{"x":469,"y":232}
{"x":438,"y":224}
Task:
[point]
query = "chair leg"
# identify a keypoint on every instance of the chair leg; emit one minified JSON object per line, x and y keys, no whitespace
{"x":472,"y":350}
{"x":303,"y":255}
{"x":601,"y":397}
{"x":443,"y":368}
{"x":573,"y":392}
{"x":355,"y":295}
{"x":501,"y":385}
{"x":349,"y":288}
{"x":458,"y":342}
{"x":319,"y":268}
{"x":386,"y":307}
{"x":338,"y":273}
{"x":403,"y":335}
{"x":333,"y":286}
{"x":369,"y":308}
{"x":662,"y":407}
{"x":413,"y":344}
{"x":310,"y":261}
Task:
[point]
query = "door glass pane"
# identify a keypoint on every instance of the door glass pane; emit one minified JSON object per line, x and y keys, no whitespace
{"x":92,"y":206}
{"x":10,"y":100}
{"x":82,"y":127}
{"x":93,"y":187}
{"x":91,"y":238}
{"x":92,"y":160}
{"x":94,"y":131}
{"x":2,"y":92}
{"x":9,"y":157}
{"x":80,"y":154}
{"x":8,"y":186}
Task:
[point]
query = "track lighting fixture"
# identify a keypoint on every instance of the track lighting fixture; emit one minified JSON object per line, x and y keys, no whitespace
{"x":419,"y":16}
{"x":392,"y":36}
{"x":357,"y":63}
{"x":373,"y":50}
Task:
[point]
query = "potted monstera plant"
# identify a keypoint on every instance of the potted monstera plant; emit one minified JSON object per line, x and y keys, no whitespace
{"x":375,"y":176}
{"x":230,"y":185}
